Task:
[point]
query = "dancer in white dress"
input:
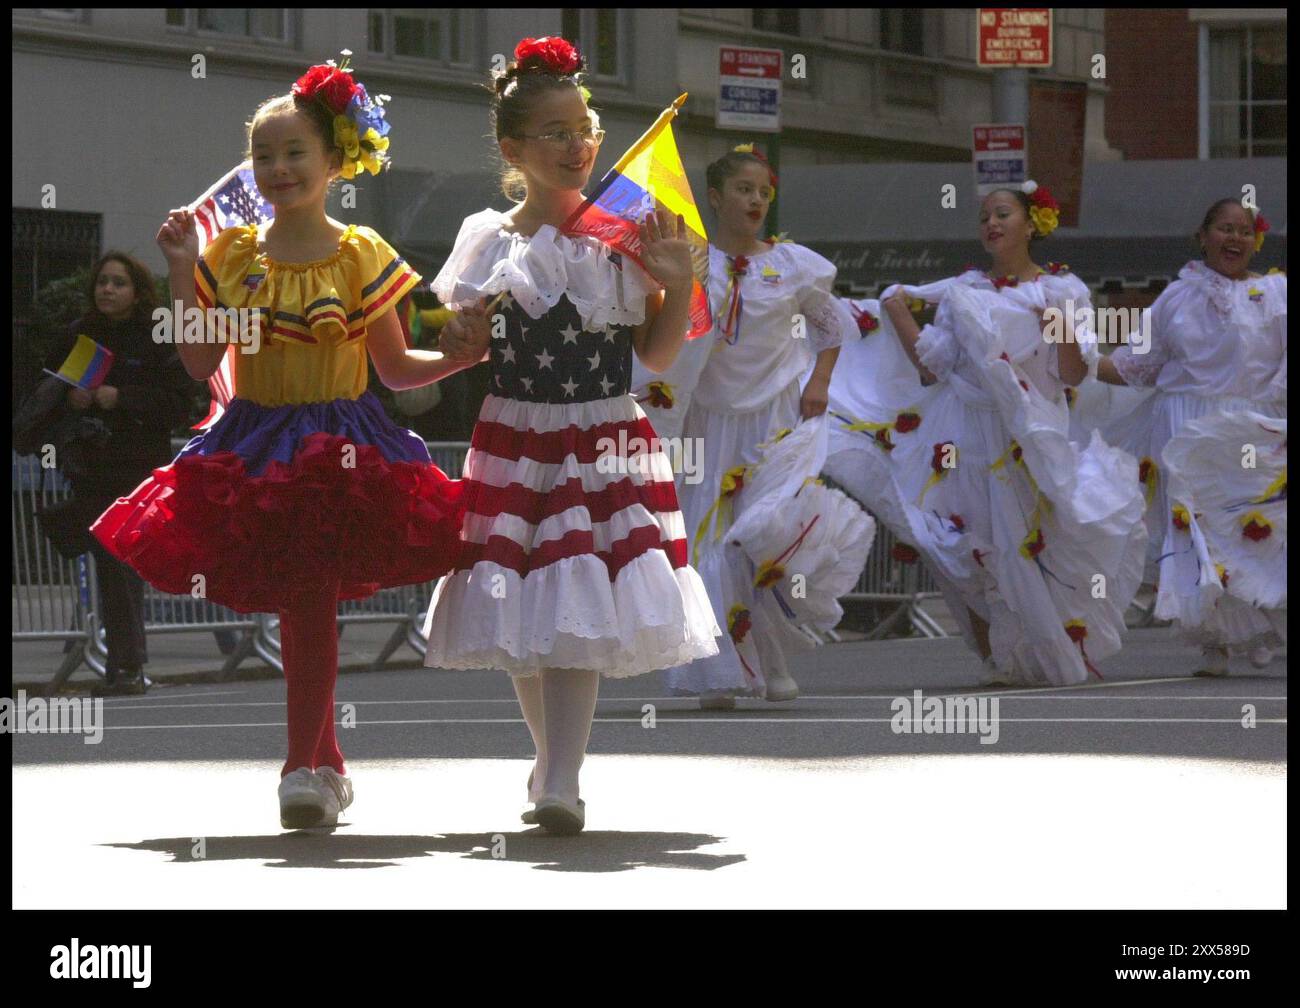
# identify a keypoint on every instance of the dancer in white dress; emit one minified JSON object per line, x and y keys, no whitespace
{"x":1035,"y":541}
{"x":574,"y":558}
{"x":775,"y":316}
{"x":1217,"y":347}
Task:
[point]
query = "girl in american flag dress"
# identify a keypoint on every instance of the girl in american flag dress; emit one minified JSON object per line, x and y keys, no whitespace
{"x":573,"y":560}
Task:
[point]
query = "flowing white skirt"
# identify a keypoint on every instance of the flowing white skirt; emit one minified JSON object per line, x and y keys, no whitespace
{"x":729,"y":440}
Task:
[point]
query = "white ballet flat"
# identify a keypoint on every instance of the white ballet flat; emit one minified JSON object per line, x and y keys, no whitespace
{"x":559,"y":817}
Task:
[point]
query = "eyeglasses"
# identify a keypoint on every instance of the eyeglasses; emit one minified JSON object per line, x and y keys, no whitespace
{"x":562,"y":139}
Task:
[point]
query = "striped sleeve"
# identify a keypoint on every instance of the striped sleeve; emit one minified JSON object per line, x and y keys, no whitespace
{"x":385,"y":279}
{"x":209,"y":268}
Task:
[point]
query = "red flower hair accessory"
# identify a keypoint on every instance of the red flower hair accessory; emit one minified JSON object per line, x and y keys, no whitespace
{"x":1261,"y":228}
{"x":331,"y":84}
{"x":552,"y":52}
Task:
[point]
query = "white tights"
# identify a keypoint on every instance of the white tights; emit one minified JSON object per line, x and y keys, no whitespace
{"x":558,"y":705}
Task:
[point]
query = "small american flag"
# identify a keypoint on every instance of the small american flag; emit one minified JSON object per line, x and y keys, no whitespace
{"x":232,"y":201}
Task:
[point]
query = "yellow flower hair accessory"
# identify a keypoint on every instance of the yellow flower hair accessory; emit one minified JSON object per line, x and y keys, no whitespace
{"x":1044,"y":211}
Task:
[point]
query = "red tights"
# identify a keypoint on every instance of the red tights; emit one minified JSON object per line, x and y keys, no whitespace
{"x":309,"y":647}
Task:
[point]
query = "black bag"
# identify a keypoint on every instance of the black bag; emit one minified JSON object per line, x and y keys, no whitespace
{"x":67,"y":525}
{"x":36,"y":418}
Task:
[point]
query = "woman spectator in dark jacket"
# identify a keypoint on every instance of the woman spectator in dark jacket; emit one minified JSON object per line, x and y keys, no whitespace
{"x":145,"y":395}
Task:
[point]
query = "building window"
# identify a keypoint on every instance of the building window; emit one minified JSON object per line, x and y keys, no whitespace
{"x":599,"y":35}
{"x":777,"y":19}
{"x":259,"y":24}
{"x":1247,"y":74}
{"x":902,"y":31}
{"x":435,"y":35}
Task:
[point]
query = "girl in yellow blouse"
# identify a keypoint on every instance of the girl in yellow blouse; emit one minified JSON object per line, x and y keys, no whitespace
{"x":304,"y":492}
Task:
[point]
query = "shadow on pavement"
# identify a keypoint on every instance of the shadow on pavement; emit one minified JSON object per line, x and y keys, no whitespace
{"x":596,"y":851}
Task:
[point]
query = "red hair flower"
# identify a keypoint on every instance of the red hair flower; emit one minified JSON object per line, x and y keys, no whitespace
{"x":1261,"y":228}
{"x":331,"y":85}
{"x":1043,"y":199}
{"x":553,"y":52}
{"x":904,"y":553}
{"x":905,"y":422}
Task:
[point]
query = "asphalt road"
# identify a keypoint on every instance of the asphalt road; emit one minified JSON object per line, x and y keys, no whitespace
{"x":1147,"y":789}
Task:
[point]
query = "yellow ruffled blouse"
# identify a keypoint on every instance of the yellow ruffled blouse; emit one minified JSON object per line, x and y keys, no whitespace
{"x":313,"y":315}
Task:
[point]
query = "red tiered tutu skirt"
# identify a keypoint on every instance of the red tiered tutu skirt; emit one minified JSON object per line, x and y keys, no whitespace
{"x":273,"y":501}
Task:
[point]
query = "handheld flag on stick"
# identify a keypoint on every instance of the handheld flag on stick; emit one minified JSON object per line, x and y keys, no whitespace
{"x":647,"y":178}
{"x":231,"y":201}
{"x":86,"y":366}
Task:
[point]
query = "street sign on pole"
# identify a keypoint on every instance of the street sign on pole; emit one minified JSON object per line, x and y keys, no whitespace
{"x":749,"y":89}
{"x":998,"y":152}
{"x":1014,"y":37}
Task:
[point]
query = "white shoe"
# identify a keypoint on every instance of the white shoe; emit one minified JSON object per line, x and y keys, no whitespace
{"x":717,"y":701}
{"x":340,"y":785}
{"x":780,"y":687}
{"x":1261,"y":657}
{"x":1214,"y":662}
{"x":557,"y":816}
{"x":307,"y":801}
{"x":995,"y":676}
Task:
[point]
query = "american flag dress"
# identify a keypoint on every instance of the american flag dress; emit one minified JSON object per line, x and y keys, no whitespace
{"x":574,"y":553}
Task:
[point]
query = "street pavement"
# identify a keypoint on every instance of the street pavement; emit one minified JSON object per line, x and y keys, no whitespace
{"x":1148,"y":788}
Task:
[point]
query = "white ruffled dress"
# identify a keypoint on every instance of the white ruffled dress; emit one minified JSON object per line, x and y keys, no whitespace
{"x":573,"y":553}
{"x":729,"y":395}
{"x":1039,"y":536}
{"x":1217,"y":349}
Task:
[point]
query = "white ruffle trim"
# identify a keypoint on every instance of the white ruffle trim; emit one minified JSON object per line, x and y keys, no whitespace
{"x":541,"y":269}
{"x":569,"y":615}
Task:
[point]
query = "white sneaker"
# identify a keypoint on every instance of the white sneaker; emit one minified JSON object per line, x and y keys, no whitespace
{"x":717,"y":701}
{"x":307,"y":801}
{"x":1261,"y":657}
{"x":340,"y":785}
{"x":780,"y":686}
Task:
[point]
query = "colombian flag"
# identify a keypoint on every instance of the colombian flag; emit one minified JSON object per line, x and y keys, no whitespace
{"x":87,"y":365}
{"x":649,"y":177}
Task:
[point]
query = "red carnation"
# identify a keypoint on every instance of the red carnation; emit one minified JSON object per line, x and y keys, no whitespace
{"x":904,"y":553}
{"x":958,"y":522}
{"x":905,"y":422}
{"x":553,"y":52}
{"x":1256,"y":532}
{"x":867,"y":322}
{"x":1043,"y":199}
{"x":333,"y":86}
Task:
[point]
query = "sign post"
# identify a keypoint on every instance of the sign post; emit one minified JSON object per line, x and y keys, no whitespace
{"x":749,"y":99}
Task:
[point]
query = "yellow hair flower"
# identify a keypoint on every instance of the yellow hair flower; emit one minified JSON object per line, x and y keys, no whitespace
{"x":345,"y":136}
{"x":375,"y":141}
{"x":1045,"y":219}
{"x":745,"y":148}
